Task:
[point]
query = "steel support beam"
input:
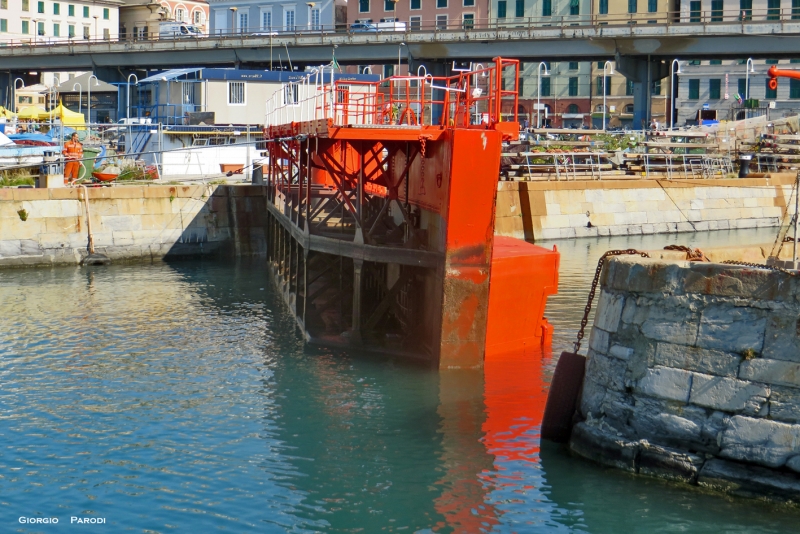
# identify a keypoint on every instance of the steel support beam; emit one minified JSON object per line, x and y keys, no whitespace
{"x":642,"y":72}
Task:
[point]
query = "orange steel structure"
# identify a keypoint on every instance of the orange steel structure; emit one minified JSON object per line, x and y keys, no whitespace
{"x":382,"y":196}
{"x":775,"y":73}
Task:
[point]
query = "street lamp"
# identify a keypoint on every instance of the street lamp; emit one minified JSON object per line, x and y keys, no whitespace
{"x":233,"y":19}
{"x":89,"y":101}
{"x":35,"y":31}
{"x":672,"y":74}
{"x":399,"y":49}
{"x":15,"y":91}
{"x":310,"y":11}
{"x":606,"y":65}
{"x":95,"y":26}
{"x":128,"y":108}
{"x":539,"y":75}
{"x":750,"y":70}
{"x":80,"y":94}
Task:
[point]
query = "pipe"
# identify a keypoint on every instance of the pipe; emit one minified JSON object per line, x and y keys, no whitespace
{"x":88,"y":219}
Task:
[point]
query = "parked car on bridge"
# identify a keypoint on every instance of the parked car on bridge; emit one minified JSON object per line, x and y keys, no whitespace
{"x":178,"y":30}
{"x":363,"y":27}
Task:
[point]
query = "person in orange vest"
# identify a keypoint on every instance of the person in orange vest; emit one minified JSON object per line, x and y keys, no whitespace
{"x":73,"y":153}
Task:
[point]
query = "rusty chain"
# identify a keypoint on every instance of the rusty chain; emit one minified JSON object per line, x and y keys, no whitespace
{"x":422,"y":142}
{"x":600,"y":263}
{"x":692,"y":254}
{"x":760,"y":266}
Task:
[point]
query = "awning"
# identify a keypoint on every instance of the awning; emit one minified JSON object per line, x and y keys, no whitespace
{"x":170,"y":75}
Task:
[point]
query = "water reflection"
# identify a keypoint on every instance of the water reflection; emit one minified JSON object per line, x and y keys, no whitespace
{"x":179,"y":397}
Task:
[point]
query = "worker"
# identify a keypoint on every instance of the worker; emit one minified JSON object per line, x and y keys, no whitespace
{"x":73,"y":153}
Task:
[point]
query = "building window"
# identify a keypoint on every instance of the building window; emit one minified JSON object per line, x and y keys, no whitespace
{"x":547,"y":8}
{"x":26,"y":5}
{"x":715,"y":62}
{"x":106,"y":13}
{"x":40,"y":28}
{"x":87,"y":32}
{"x":652,"y":6}
{"x":573,"y":108}
{"x":56,"y":30}
{"x":86,"y":12}
{"x":717,"y":7}
{"x":236,"y":94}
{"x":71,"y":10}
{"x":628,"y":87}
{"x":266,"y":20}
{"x":106,"y":34}
{"x":388,"y":71}
{"x":25,"y":27}
{"x":415,"y":23}
{"x":244,"y":23}
{"x":519,"y":9}
{"x":770,"y":93}
{"x":315,"y":21}
{"x":441,"y":3}
{"x":71,"y":31}
{"x":632,"y":6}
{"x":694,"y":89}
{"x":56,"y":9}
{"x":773,"y":9}
{"x":441,"y":22}
{"x":746,"y":9}
{"x":3,"y":25}
{"x":388,"y":5}
{"x":40,"y":7}
{"x":416,"y":4}
{"x":795,"y":9}
{"x":655,"y":89}
{"x":572,"y":87}
{"x":469,"y":3}
{"x":468,"y":21}
{"x":545,"y":86}
{"x":695,"y":11}
{"x":501,"y":9}
{"x":604,"y":7}
{"x":714,"y":90}
{"x":794,"y":88}
{"x":291,"y":96}
{"x":179,"y":13}
{"x":573,"y":65}
{"x":601,"y":85}
{"x":574,"y":7}
{"x":363,"y":6}
{"x":741,"y":87}
{"x":289,"y":20}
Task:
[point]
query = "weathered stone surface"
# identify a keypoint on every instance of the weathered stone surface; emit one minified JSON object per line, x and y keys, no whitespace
{"x":592,"y":397}
{"x":749,"y":481}
{"x":678,"y":426}
{"x":760,"y":441}
{"x":733,"y":280}
{"x":599,"y":340}
{"x":730,"y":328}
{"x":640,"y":275}
{"x":771,"y":372}
{"x":782,"y":337}
{"x":609,"y":311}
{"x":707,"y":361}
{"x":711,"y":433}
{"x":671,"y":321}
{"x":784,"y":404}
{"x":728,"y":394}
{"x":620,"y":352}
{"x":671,"y":464}
{"x":605,"y":371}
{"x":666,"y":383}
{"x":793,"y":463}
{"x":600,"y":445}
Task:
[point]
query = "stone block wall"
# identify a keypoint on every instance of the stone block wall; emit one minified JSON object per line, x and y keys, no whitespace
{"x":48,"y":226}
{"x":589,"y":208}
{"x":693,"y":373}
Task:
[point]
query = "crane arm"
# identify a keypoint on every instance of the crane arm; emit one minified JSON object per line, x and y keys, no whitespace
{"x":775,"y":73}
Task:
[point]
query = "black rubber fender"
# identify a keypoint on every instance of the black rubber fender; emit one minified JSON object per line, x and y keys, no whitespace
{"x":562,"y":398}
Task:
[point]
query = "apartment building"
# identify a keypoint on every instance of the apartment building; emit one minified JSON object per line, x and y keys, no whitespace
{"x":48,"y":21}
{"x":267,"y":16}
{"x":421,"y":14}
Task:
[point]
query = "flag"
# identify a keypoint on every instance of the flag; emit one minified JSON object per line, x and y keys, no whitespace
{"x":336,"y":64}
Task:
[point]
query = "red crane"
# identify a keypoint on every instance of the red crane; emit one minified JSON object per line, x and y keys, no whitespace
{"x":775,"y":73}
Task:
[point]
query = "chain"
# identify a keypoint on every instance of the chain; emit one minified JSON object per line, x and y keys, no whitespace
{"x":422,"y":142}
{"x":600,"y":264}
{"x":759,"y":266}
{"x":692,"y":254}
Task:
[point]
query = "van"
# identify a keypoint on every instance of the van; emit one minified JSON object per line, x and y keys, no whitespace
{"x":178,"y":30}
{"x":391,"y":26}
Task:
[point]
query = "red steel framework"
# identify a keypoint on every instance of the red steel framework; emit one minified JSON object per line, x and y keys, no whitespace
{"x":382,"y":196}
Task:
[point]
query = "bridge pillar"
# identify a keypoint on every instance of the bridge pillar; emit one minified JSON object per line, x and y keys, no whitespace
{"x":642,"y":71}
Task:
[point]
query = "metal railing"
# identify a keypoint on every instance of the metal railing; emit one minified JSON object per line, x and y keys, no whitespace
{"x":469,"y":98}
{"x":638,"y":23}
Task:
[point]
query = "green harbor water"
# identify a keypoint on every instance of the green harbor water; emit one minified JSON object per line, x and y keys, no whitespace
{"x":180,"y":398}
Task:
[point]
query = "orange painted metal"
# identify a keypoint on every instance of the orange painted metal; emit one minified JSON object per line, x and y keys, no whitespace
{"x":775,"y":73}
{"x":523,"y":276}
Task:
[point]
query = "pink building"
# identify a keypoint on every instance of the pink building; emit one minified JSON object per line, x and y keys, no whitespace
{"x":420,"y":14}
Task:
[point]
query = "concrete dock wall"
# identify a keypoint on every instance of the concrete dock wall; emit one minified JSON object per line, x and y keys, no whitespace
{"x":590,"y":208}
{"x":130,"y":223}
{"x":693,"y":374}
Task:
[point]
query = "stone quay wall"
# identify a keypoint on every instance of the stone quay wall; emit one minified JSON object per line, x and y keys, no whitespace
{"x":693,"y":374}
{"x":130,"y":223}
{"x":590,"y":208}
